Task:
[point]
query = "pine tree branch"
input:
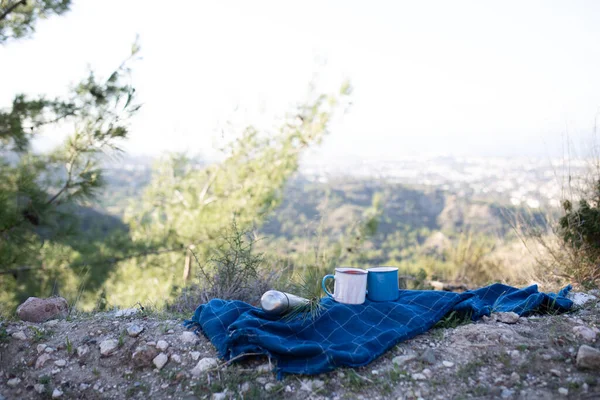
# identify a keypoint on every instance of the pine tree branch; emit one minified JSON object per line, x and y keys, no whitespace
{"x":11,"y":8}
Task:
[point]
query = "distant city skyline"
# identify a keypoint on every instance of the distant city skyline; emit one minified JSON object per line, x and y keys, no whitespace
{"x":463,"y":77}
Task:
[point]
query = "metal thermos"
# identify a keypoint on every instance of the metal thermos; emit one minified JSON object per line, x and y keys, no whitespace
{"x":276,"y":302}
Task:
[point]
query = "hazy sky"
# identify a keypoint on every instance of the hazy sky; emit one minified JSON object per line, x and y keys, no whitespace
{"x":464,"y":77}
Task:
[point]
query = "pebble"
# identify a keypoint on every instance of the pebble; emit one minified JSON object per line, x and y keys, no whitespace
{"x":55,"y":371}
{"x":39,"y":388}
{"x":134,"y":330}
{"x":82,"y":350}
{"x":427,"y":372}
{"x":170,"y":332}
{"x":419,"y":376}
{"x":428,"y":356}
{"x":588,"y":357}
{"x":447,"y":364}
{"x":515,"y":354}
{"x":506,"y":393}
{"x":143,"y":356}
{"x":310,"y":385}
{"x":60,"y":363}
{"x":585,"y":333}
{"x":83,"y":386}
{"x":128,"y":312}
{"x":563,"y":391}
{"x":262,"y":380}
{"x":41,"y":360}
{"x":40,"y":348}
{"x":263,"y":368}
{"x":51,"y":323}
{"x":56,"y":393}
{"x":245,"y":387}
{"x":203,"y":365}
{"x":555,"y":372}
{"x":162,"y":345}
{"x":219,"y":396}
{"x":13,"y":382}
{"x":269,"y":386}
{"x":176,"y":358}
{"x":547,"y":357}
{"x":107,"y":347}
{"x":49,"y":350}
{"x":20,"y":335}
{"x":188,"y":337}
{"x":507,"y":317}
{"x":160,"y":360}
{"x":288,"y":389}
{"x":514,"y":377}
{"x":401,"y":360}
{"x":195,"y":355}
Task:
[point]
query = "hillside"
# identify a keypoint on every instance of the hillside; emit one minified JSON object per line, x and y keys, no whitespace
{"x":117,"y":355}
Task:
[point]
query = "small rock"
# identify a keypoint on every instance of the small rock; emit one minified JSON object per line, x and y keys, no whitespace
{"x":162,"y":345}
{"x":41,"y":360}
{"x":428,"y":356}
{"x":83,"y":386}
{"x":51,"y":323}
{"x":49,"y":350}
{"x":56,"y":393}
{"x":507,"y":317}
{"x":203,"y":365}
{"x":195,"y":355}
{"x":39,"y":388}
{"x":13,"y":382}
{"x":447,"y":364}
{"x":188,"y":337}
{"x":311,"y":385}
{"x":427,"y":372}
{"x":60,"y":363}
{"x":401,"y":360}
{"x":547,"y":357}
{"x":419,"y":376}
{"x":219,"y":396}
{"x":143,"y":356}
{"x":263,"y":368}
{"x":39,"y":310}
{"x":555,"y":372}
{"x":375,"y":372}
{"x":585,"y":333}
{"x":20,"y":335}
{"x":563,"y":391}
{"x":82,"y":350}
{"x":588,"y":357}
{"x":269,"y":386}
{"x":40,"y":348}
{"x":506,"y":393}
{"x":176,"y":358}
{"x":170,"y":332}
{"x":288,"y":389}
{"x":262,"y":380}
{"x":245,"y":387}
{"x":127,"y":312}
{"x":164,"y":386}
{"x":55,"y":371}
{"x":514,"y":377}
{"x":134,"y":330}
{"x":160,"y":360}
{"x":107,"y":347}
{"x":515,"y":354}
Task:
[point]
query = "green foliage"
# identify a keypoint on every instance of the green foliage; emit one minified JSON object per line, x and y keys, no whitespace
{"x":40,"y":194}
{"x":18,"y":17}
{"x":579,"y":228}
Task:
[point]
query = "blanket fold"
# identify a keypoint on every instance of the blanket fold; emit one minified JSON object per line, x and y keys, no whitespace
{"x":354,"y":335}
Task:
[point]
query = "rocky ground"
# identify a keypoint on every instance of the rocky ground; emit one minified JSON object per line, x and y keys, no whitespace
{"x":138,"y":355}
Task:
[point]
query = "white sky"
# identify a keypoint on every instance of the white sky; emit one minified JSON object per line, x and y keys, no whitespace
{"x":462,"y":77}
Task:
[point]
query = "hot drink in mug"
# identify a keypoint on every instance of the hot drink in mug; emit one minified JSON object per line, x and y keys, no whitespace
{"x":350,"y":285}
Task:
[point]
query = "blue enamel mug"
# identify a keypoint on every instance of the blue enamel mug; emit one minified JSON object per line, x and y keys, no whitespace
{"x":382,"y":284}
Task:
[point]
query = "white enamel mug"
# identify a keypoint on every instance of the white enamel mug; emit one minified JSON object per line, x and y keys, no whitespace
{"x":350,"y":285}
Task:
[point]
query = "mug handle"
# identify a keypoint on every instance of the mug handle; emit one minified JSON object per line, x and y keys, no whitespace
{"x":323,"y":284}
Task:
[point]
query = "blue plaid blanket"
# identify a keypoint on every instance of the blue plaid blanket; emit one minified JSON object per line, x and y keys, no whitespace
{"x":354,"y":335}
